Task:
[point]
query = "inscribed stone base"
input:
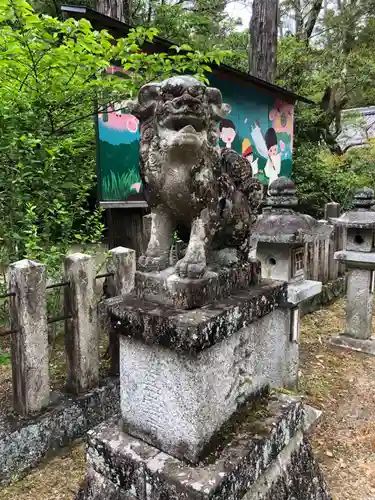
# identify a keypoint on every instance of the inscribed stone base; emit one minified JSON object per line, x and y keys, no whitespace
{"x":165,"y":287}
{"x":366,"y":346}
{"x":261,"y":455}
{"x":177,"y":401}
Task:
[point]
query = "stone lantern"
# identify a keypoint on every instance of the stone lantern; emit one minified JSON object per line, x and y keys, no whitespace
{"x":280,"y":236}
{"x":359,"y":257}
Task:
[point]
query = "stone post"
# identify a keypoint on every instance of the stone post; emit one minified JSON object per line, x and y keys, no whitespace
{"x":122,"y":263}
{"x":359,"y":304}
{"x":28,"y":310}
{"x":81,"y":331}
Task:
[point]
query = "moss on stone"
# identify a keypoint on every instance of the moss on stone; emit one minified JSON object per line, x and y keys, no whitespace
{"x":248,"y":419}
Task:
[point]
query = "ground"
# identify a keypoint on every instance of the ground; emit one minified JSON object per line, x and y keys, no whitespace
{"x":341,"y":384}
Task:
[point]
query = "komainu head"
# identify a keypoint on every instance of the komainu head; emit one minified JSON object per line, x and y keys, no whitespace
{"x":181,"y":113}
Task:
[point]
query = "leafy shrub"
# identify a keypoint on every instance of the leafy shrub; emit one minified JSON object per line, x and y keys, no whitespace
{"x":51,"y":74}
{"x":322,"y":177}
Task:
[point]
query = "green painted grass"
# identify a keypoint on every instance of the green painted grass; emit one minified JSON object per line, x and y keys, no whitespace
{"x":116,"y":186}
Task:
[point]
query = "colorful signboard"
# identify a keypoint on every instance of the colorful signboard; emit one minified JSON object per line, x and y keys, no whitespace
{"x":259,"y":126}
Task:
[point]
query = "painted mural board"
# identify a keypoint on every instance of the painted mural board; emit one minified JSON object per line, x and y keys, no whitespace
{"x":259,"y":127}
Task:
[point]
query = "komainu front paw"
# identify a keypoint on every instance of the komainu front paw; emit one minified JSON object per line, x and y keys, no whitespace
{"x":154,"y":263}
{"x":186,"y":268}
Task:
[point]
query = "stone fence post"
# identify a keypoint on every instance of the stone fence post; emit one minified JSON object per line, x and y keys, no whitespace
{"x":332,"y":211}
{"x":122,"y":263}
{"x":28,"y":312}
{"x":81,"y":330}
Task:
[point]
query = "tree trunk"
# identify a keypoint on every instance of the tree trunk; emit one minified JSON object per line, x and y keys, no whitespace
{"x":117,"y":9}
{"x":312,"y":18}
{"x":263,"y":36}
{"x":298,"y":17}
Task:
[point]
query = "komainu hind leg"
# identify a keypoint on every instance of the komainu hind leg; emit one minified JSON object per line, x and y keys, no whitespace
{"x":156,"y":257}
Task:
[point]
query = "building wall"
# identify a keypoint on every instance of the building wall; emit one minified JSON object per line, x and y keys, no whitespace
{"x":259,"y":127}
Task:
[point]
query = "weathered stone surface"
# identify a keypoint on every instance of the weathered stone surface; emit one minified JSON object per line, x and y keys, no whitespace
{"x":359,"y":304}
{"x":177,"y":401}
{"x":261,"y":456}
{"x":197,"y":329}
{"x":293,"y":476}
{"x":81,"y":330}
{"x":331,"y":291}
{"x":303,"y":290}
{"x":28,"y":311}
{"x":312,"y":417}
{"x":166,"y":287}
{"x":363,"y":216}
{"x":121,"y":262}
{"x":25,"y":442}
{"x":188,"y":179}
{"x":367,"y":346}
{"x":359,"y":260}
{"x":97,"y":487}
{"x":279,"y":213}
{"x":356,"y":220}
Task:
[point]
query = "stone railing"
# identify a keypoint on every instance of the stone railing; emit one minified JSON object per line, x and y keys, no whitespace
{"x":29,"y":323}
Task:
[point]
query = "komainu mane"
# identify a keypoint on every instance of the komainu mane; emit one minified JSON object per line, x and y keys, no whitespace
{"x":187,"y":179}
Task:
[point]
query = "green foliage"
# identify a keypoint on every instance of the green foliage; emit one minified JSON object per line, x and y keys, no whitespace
{"x":52,"y":83}
{"x":322,"y":177}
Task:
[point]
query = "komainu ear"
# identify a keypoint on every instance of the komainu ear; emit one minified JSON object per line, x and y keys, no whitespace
{"x":147,"y":98}
{"x":219,"y":109}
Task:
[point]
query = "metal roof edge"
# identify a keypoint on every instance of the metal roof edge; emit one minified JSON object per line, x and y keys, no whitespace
{"x":110,"y":22}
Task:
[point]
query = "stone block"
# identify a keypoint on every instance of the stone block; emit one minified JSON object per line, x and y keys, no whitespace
{"x":356,"y":260}
{"x":360,"y":240}
{"x":177,"y":401}
{"x":197,"y":329}
{"x":24,"y":443}
{"x":303,"y":290}
{"x":122,"y":263}
{"x":260,"y":455}
{"x":165,"y":287}
{"x":366,"y":346}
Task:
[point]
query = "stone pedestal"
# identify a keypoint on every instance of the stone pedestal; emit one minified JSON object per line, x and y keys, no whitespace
{"x":260,"y":454}
{"x":197,"y":418}
{"x":185,"y":372}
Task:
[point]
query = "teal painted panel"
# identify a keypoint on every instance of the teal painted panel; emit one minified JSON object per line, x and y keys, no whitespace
{"x":258,"y":127}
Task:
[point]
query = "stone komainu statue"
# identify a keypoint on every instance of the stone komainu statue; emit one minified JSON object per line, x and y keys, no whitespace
{"x":187,"y":179}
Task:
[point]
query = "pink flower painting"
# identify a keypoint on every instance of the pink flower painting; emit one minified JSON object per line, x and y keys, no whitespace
{"x":118,"y":121}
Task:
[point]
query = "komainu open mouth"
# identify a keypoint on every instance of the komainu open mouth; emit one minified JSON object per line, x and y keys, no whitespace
{"x":186,"y":123}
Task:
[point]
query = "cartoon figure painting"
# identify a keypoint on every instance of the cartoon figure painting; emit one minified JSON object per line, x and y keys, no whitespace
{"x":227,"y":132}
{"x":260,"y":127}
{"x":273,"y":165}
{"x":267,"y":148}
{"x":247,"y":152}
{"x":282,"y":117}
